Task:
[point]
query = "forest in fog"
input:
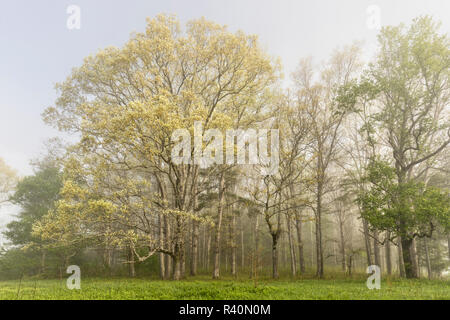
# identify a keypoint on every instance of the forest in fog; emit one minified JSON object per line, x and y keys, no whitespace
{"x":358,"y":151}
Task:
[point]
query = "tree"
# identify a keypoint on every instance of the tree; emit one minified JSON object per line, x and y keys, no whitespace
{"x":326,"y":113}
{"x":127,"y":102}
{"x":35,"y":195}
{"x":409,"y":86}
{"x":421,"y":210}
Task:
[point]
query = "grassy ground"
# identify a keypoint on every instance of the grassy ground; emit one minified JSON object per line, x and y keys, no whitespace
{"x":95,"y":289}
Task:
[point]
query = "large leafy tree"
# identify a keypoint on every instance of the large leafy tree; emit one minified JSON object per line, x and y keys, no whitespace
{"x":126,"y":102}
{"x":408,"y":86}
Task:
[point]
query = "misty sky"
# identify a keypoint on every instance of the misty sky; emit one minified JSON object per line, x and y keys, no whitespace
{"x":38,"y":50}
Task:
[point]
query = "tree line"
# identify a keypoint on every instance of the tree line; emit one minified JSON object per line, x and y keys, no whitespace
{"x":362,"y":160}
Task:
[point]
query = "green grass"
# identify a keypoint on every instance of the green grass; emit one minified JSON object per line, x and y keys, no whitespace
{"x":122,"y":289}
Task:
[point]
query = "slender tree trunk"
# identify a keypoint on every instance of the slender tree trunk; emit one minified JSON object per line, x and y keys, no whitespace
{"x":438,"y":257}
{"x":401,"y":264}
{"x":208,"y":249}
{"x":275,"y":274}
{"x":255,"y":260}
{"x":195,"y":232}
{"x":388,"y":254}
{"x":168,"y":259}
{"x":233,"y":243}
{"x":183,"y":259}
{"x":376,"y":249}
{"x":291,"y":247}
{"x":194,"y":248}
{"x":242,"y":246}
{"x":311,"y":241}
{"x":342,"y":246}
{"x":427,"y":258}
{"x":301,"y":254}
{"x":216,"y":271}
{"x":162,"y":262}
{"x":367,"y":242}
{"x":319,"y":247}
{"x":178,"y":250}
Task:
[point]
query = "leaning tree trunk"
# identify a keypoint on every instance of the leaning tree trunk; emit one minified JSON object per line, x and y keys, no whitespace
{"x":216,"y":271}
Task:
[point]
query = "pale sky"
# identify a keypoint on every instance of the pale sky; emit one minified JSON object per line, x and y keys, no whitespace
{"x":38,"y":50}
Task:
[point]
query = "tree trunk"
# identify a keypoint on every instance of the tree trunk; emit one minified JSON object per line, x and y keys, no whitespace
{"x":208,"y":249}
{"x":388,"y":254}
{"x":255,"y":261}
{"x":233,"y":243}
{"x":319,"y":247}
{"x":216,"y":271}
{"x":415,"y":259}
{"x":194,"y":248}
{"x":342,"y":246}
{"x":291,"y":247}
{"x":168,"y":259}
{"x":43,"y":257}
{"x":242,"y":246}
{"x":376,"y":249}
{"x":195,"y":231}
{"x":401,"y":264}
{"x":275,"y":274}
{"x":131,"y":263}
{"x":301,"y":254}
{"x":162,"y":262}
{"x":427,"y":258}
{"x":407,"y":245}
{"x":176,"y":269}
{"x":178,"y":250}
{"x":367,"y":242}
